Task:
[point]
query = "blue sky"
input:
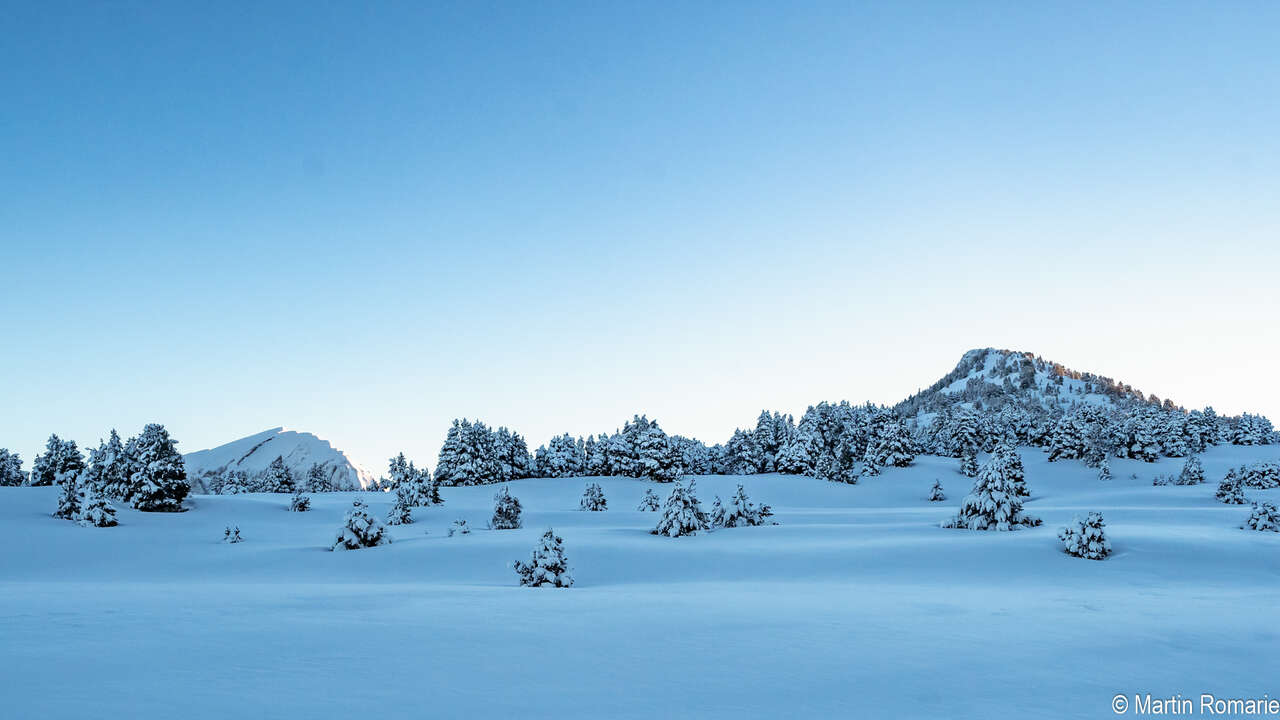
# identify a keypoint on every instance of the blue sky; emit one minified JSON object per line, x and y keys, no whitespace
{"x":365,"y":220}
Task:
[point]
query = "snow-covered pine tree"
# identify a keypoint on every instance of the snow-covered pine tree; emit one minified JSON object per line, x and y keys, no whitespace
{"x":1264,"y":518}
{"x":1192,"y":472}
{"x":1231,"y":490}
{"x":235,"y":482}
{"x":506,"y":511}
{"x":318,"y":481}
{"x":1013,"y":469}
{"x":11,"y":474}
{"x":277,"y":477}
{"x":889,"y":444}
{"x":60,"y":456}
{"x":682,"y":514}
{"x":716,"y":516}
{"x":969,"y":464}
{"x":96,"y":510}
{"x":793,"y":458}
{"x":1104,"y":468}
{"x":1086,"y":538}
{"x":1261,"y":475}
{"x":360,"y":530}
{"x":993,"y":503}
{"x":232,"y":535}
{"x":548,"y":566}
{"x":401,"y":511}
{"x":656,"y":458}
{"x":935,"y":493}
{"x":870,"y":467}
{"x":593,"y":499}
{"x":299,"y":502}
{"x":742,"y":513}
{"x":649,"y":503}
{"x":459,"y":527}
{"x":68,"y":496}
{"x":159,"y":480}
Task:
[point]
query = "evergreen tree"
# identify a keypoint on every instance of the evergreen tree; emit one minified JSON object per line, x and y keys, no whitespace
{"x":889,"y":444}
{"x":60,"y":456}
{"x":111,"y":467}
{"x":1013,"y":468}
{"x":1104,"y":468}
{"x":649,"y":503}
{"x":11,"y":474}
{"x":593,"y":499}
{"x":1264,"y":518}
{"x":682,"y":515}
{"x":360,"y":530}
{"x":548,"y":567}
{"x":655,"y":457}
{"x":299,"y":502}
{"x":1231,"y":490}
{"x":716,"y":516}
{"x":1192,"y":472}
{"x":68,"y":497}
{"x":1086,"y":538}
{"x":159,"y":479}
{"x":793,"y":458}
{"x":459,"y":527}
{"x":935,"y":493}
{"x":1262,"y":475}
{"x":318,"y":481}
{"x":96,"y":510}
{"x":401,"y":512}
{"x":398,"y":472}
{"x":277,"y":478}
{"x":969,"y":464}
{"x":742,"y":513}
{"x":232,"y":535}
{"x":993,"y":504}
{"x":234,"y":482}
{"x":506,"y":511}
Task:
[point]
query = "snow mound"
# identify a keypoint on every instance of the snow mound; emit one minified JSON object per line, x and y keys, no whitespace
{"x":254,"y":453}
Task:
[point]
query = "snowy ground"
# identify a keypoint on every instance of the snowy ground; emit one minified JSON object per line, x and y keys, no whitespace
{"x":856,"y":605}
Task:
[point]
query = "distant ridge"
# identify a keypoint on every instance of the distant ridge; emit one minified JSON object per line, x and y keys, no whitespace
{"x":253,"y":453}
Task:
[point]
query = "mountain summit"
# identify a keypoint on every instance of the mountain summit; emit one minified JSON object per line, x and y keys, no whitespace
{"x":254,"y":453}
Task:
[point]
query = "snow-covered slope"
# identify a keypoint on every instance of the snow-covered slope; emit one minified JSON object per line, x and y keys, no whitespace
{"x":991,"y":378}
{"x":300,"y":450}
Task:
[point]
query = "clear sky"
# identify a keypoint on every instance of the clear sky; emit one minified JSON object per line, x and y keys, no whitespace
{"x":365,"y":219}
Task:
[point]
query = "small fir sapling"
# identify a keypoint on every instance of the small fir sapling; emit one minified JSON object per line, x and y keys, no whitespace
{"x":68,"y":497}
{"x":1192,"y":472}
{"x":1086,"y":538}
{"x":741,"y":512}
{"x":1104,"y":468}
{"x":96,"y":510}
{"x":1231,"y":490}
{"x":506,"y":511}
{"x":232,"y":535}
{"x":650,"y":502}
{"x":593,"y":499}
{"x":682,"y":514}
{"x":299,"y":502}
{"x":993,"y":503}
{"x":401,"y":511}
{"x":936,"y":494}
{"x":360,"y":529}
{"x":548,"y":566}
{"x":459,"y":527}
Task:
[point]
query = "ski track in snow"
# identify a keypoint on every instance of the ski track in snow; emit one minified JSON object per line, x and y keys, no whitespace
{"x":856,"y":605}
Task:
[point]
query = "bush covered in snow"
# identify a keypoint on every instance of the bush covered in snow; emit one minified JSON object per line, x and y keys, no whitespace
{"x":1264,"y":518}
{"x":1104,"y":468}
{"x":682,"y":514}
{"x":740,"y":512}
{"x":1086,"y":538}
{"x":232,"y":535}
{"x":1231,"y":490}
{"x":459,"y":527}
{"x":1262,"y":475}
{"x":650,"y":502}
{"x":360,"y":530}
{"x":548,"y":567}
{"x":506,"y":511}
{"x":593,"y":499}
{"x":993,"y":504}
{"x":299,"y":502}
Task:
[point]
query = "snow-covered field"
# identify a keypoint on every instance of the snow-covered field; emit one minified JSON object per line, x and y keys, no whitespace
{"x":856,"y":605}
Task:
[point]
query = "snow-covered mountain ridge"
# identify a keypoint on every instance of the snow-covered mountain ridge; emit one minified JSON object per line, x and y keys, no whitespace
{"x":252,"y":455}
{"x":989,"y":378}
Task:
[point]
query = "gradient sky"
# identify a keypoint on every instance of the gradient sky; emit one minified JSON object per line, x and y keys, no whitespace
{"x":365,"y":219}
